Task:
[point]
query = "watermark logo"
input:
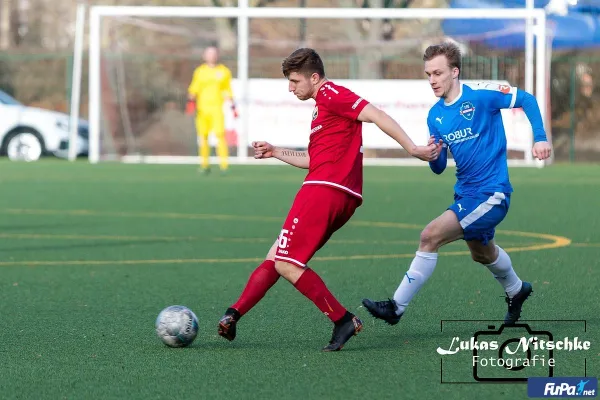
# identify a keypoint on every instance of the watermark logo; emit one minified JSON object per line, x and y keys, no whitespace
{"x":512,"y":353}
{"x":562,"y":387}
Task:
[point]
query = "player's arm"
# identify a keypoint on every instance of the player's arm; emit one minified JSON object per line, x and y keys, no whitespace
{"x":195,"y":86}
{"x":439,"y":165}
{"x":505,"y":97}
{"x":299,"y":159}
{"x":390,"y":127}
{"x":229,"y":92}
{"x":193,"y":92}
{"x":541,"y":147}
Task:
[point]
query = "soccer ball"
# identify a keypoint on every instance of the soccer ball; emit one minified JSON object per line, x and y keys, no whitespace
{"x":177,"y":326}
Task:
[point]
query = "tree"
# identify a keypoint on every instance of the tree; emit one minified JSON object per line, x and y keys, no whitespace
{"x":227,"y":28}
{"x":5,"y":11}
{"x":370,"y":35}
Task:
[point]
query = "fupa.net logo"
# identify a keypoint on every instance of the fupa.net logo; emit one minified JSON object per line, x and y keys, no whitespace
{"x":557,"y":387}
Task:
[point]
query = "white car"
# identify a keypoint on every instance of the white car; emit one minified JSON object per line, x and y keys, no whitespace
{"x":28,"y":133}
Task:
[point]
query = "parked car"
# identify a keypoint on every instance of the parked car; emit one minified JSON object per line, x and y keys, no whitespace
{"x":28,"y":133}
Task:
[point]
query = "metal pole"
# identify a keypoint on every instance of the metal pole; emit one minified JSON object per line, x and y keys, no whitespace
{"x":529,"y":34}
{"x":243,"y":49}
{"x":541,"y":72}
{"x":76,"y":81}
{"x":94,"y":95}
{"x":302,"y":28}
{"x":573,"y":88}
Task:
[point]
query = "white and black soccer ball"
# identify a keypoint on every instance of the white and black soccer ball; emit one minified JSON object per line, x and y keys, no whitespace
{"x":177,"y":326}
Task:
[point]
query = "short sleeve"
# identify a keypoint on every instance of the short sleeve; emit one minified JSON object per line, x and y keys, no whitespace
{"x":343,"y":102}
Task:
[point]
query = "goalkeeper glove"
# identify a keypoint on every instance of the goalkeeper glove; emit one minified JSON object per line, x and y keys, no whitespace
{"x":190,"y":107}
{"x":234,"y":110}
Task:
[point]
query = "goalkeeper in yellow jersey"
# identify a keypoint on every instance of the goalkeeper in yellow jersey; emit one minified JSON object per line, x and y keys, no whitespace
{"x":209,"y":90}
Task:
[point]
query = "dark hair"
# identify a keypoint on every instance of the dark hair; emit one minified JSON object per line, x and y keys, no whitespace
{"x":447,"y":49}
{"x":303,"y":61}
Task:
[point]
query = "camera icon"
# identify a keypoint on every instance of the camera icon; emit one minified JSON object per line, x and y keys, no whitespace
{"x":512,"y":353}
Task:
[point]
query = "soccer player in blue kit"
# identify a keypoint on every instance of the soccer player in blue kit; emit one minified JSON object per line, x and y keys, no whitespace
{"x":467,"y":120}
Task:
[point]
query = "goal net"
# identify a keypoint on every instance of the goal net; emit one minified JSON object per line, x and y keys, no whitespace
{"x":142,"y":60}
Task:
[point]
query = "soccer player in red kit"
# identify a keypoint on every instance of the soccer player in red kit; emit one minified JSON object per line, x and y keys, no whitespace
{"x":330,"y":194}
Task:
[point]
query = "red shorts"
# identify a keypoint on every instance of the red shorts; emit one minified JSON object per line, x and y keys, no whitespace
{"x":317,"y":212}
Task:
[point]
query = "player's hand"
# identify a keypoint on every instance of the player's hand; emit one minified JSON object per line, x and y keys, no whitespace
{"x":541,"y":150}
{"x":427,"y":153}
{"x":439,"y":144}
{"x":263,"y":150}
{"x":190,"y":107}
{"x":431,"y":140}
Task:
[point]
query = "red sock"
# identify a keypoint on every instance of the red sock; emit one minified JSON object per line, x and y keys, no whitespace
{"x":260,"y":281}
{"x":312,"y":286}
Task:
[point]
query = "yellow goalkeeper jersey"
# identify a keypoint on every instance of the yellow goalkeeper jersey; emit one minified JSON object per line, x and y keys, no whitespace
{"x":211,"y":86}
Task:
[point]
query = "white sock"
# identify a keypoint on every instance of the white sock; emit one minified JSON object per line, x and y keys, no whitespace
{"x":420,"y":270}
{"x":505,"y":274}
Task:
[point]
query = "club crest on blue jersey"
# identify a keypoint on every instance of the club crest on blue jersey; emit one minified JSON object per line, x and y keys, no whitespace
{"x":467,"y":110}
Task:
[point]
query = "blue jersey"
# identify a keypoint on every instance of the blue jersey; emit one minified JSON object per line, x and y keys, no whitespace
{"x":471,"y":126}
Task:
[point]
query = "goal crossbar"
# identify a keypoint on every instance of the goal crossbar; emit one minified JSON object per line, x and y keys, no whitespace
{"x":323,"y":13}
{"x":535,"y":18}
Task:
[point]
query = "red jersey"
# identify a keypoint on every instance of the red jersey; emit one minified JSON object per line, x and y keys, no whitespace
{"x":335,"y":146}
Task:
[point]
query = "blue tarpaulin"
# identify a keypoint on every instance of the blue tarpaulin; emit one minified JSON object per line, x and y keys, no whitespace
{"x":575,"y":30}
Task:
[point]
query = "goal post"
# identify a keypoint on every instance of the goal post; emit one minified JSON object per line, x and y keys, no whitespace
{"x":535,"y":64}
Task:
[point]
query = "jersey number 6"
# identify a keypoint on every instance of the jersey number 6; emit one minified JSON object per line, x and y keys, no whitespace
{"x":283,"y":239}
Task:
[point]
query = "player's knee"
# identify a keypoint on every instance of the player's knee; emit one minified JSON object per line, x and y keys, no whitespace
{"x":482,"y":257}
{"x":430,"y":239}
{"x":479,"y":258}
{"x":289,"y":271}
{"x":202,"y":139}
{"x":271,"y":254}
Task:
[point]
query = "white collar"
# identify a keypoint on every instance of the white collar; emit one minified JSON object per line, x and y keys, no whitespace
{"x":457,"y":97}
